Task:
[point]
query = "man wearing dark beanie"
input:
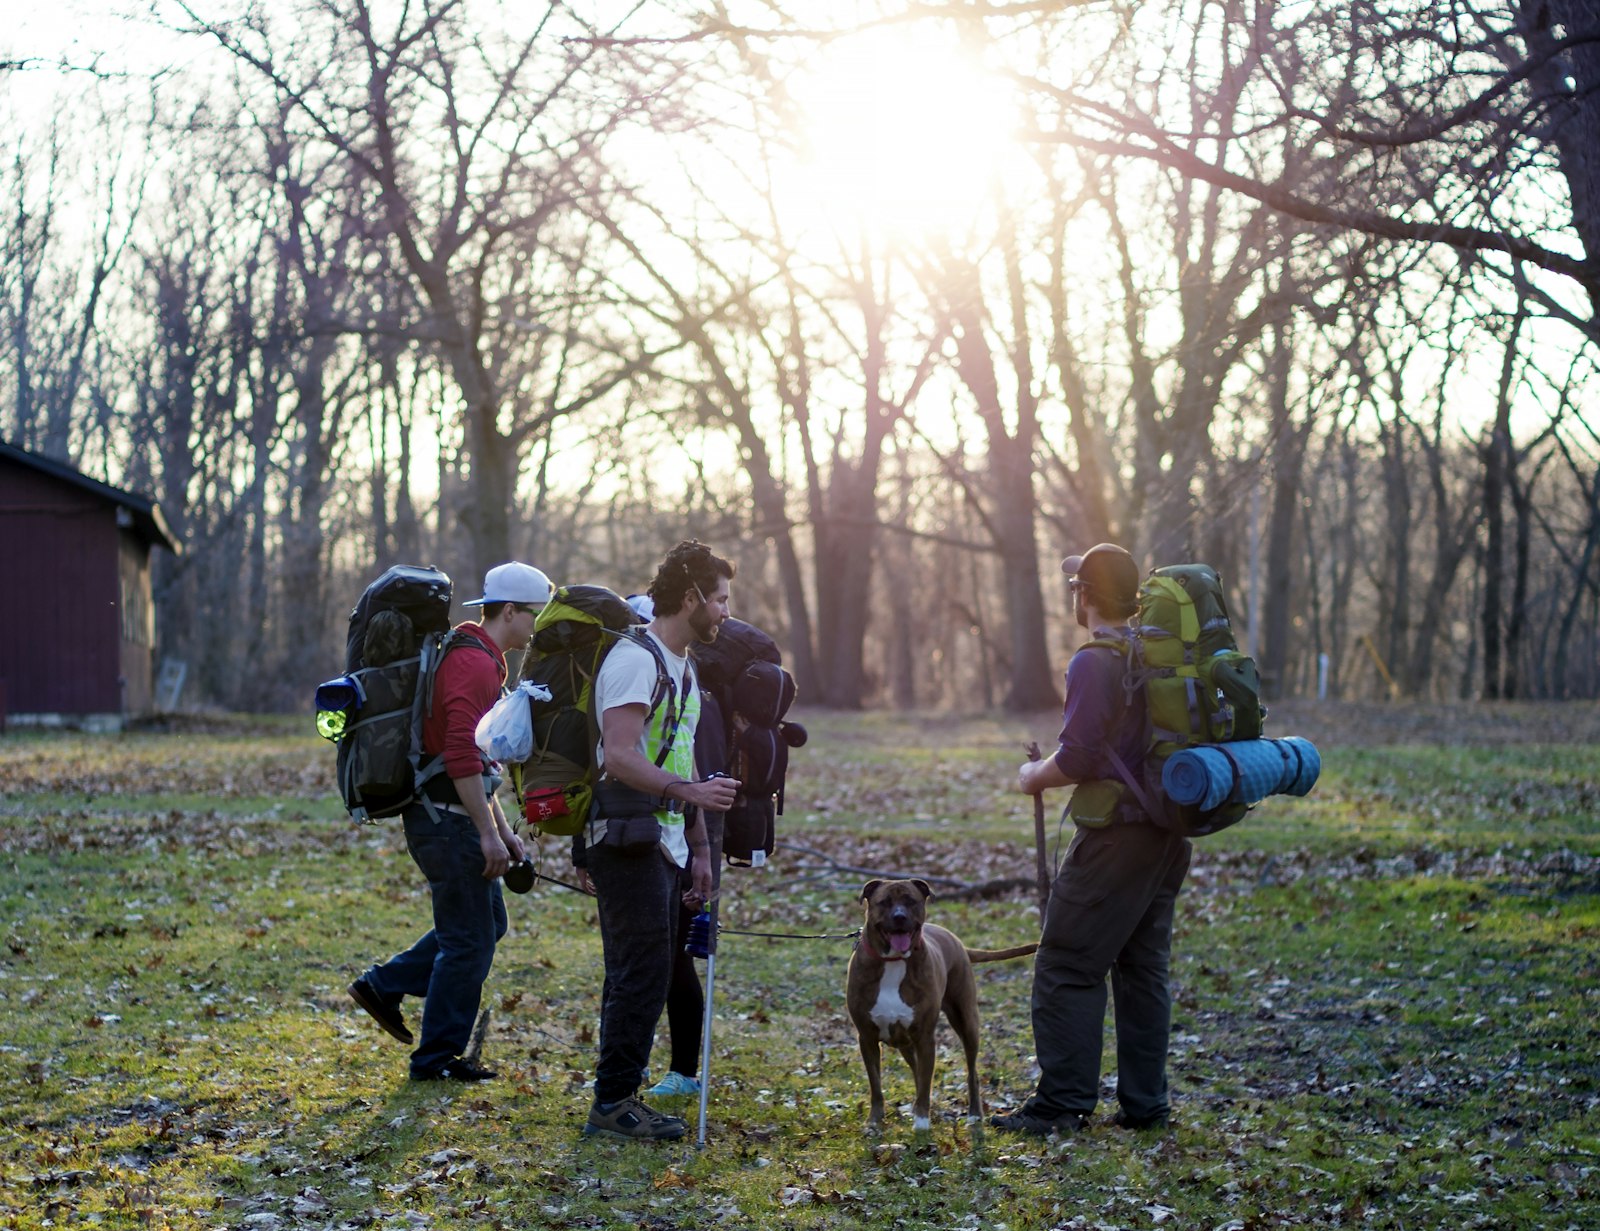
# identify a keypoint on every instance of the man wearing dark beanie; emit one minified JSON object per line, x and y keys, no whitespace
{"x":1111,"y":905}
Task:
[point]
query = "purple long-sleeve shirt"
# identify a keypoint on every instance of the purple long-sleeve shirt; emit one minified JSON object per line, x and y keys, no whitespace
{"x":1098,"y":709}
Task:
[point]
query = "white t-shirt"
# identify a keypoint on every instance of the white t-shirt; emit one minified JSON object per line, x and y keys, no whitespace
{"x":628,"y":677}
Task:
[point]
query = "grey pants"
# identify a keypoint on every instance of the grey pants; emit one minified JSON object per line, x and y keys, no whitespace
{"x":1110,"y":911}
{"x":638,"y":898}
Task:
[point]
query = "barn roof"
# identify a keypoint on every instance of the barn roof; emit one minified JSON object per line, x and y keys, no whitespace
{"x":144,"y":513}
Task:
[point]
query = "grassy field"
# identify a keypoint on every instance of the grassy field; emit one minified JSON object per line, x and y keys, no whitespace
{"x":1388,"y":1000}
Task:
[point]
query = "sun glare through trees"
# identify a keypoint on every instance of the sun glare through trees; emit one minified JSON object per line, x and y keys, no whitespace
{"x":902,"y":132}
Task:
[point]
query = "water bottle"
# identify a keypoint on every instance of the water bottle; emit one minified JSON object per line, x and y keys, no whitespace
{"x":330,"y":724}
{"x":698,"y":942}
{"x":336,"y":700}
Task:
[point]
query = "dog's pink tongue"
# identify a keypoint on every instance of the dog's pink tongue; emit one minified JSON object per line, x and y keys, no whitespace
{"x":900,"y":942}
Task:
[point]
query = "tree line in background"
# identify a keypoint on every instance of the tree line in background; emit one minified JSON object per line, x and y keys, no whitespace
{"x":1307,"y":290}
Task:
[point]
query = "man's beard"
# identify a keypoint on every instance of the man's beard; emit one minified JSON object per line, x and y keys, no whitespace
{"x":701,"y":624}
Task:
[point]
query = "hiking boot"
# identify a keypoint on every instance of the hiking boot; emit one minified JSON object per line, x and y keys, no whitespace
{"x":1139,"y":1123}
{"x":1023,"y":1120}
{"x":632,"y":1120}
{"x":456,"y":1070}
{"x":380,"y":1010}
{"x":675,"y":1085}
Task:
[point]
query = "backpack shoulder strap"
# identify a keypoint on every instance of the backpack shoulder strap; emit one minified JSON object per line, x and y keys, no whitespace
{"x":433,"y":659}
{"x":665,"y":691}
{"x":1133,"y":678}
{"x":1129,"y":650}
{"x":434,"y":648}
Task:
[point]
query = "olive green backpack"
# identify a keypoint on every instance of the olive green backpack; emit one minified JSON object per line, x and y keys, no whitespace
{"x":1199,"y":689}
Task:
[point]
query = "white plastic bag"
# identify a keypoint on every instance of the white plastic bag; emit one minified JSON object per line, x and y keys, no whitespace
{"x":505,"y":733}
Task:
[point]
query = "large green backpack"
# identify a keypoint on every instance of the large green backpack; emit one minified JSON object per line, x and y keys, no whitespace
{"x":573,"y":634}
{"x":1199,"y":689}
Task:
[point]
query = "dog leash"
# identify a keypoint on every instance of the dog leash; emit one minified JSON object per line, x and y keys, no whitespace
{"x":722,"y":931}
{"x":855,"y":935}
{"x":554,"y":880}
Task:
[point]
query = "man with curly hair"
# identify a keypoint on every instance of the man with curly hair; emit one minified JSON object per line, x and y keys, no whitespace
{"x":647,"y":825}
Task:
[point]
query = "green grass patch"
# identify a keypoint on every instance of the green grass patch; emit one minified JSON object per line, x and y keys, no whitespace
{"x":1387,"y":1006}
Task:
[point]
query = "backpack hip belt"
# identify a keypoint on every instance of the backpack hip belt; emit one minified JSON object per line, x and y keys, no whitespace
{"x":613,"y":798}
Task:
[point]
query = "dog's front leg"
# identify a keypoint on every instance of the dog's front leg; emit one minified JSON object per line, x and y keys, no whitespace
{"x":963,"y":1017}
{"x":921,"y":1057}
{"x":872,"y":1061}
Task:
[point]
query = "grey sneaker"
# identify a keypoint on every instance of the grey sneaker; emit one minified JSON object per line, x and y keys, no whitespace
{"x":632,"y":1120}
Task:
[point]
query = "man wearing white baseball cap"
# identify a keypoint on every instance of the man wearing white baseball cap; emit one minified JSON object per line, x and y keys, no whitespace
{"x":517,"y":583}
{"x":463,"y":844}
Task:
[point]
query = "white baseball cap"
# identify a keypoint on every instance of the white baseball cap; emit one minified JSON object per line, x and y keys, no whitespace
{"x":514,"y":583}
{"x":643,"y":606}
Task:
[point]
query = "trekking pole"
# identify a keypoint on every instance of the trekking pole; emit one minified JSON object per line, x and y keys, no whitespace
{"x":710,"y":945}
{"x":1042,"y":867}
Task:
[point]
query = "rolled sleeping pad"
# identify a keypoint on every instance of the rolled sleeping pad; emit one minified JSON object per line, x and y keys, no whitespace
{"x":1246,"y":771}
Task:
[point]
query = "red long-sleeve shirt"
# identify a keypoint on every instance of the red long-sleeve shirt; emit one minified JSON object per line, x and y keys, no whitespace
{"x":467,"y":685}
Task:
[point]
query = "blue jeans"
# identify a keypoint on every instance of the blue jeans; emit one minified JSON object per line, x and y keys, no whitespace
{"x":448,"y":965}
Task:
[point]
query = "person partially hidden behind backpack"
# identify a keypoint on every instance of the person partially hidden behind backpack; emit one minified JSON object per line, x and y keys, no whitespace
{"x":462,"y":842}
{"x":637,"y":839}
{"x":1111,"y":905}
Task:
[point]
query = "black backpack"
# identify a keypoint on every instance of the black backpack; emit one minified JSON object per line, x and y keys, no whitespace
{"x":746,"y":694}
{"x":399,"y":634}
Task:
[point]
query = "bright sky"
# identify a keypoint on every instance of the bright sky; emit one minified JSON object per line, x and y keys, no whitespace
{"x":905,"y":132}
{"x":83,"y":32}
{"x":905,"y":129}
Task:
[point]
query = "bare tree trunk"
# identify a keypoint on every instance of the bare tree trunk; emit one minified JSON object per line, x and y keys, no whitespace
{"x":899,"y":575}
{"x":1493,"y":453}
{"x":846,"y":552}
{"x":1009,"y":478}
{"x":1581,"y":572}
{"x":1522,"y":508}
{"x":1394,"y":593}
{"x":1348,"y":481}
{"x":1288,"y":456}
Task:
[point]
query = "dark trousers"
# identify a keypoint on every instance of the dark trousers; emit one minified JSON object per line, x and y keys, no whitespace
{"x":638,"y":900}
{"x":686,"y":999}
{"x":448,"y":964}
{"x":1110,"y":911}
{"x":686,"y":1005}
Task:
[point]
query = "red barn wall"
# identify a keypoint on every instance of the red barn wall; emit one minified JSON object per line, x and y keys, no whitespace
{"x":60,"y":634}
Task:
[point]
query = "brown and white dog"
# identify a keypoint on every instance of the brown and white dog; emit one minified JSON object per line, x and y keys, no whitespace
{"x":902,"y":973}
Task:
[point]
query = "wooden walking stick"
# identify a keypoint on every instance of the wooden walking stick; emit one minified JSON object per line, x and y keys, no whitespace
{"x":1043,"y":867}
